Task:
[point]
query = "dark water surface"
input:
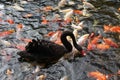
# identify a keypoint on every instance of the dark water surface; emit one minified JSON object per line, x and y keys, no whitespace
{"x":106,"y":62}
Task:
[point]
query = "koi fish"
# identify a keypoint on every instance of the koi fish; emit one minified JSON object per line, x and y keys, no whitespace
{"x":20,"y":26}
{"x":18,"y":8}
{"x":5,"y":33}
{"x":9,"y":72}
{"x":95,"y":40}
{"x":78,"y":12}
{"x":48,"y":8}
{"x":10,"y":21}
{"x":64,"y":78}
{"x":110,"y":42}
{"x":58,"y":41}
{"x":98,"y":75}
{"x":44,"y":20}
{"x":93,"y":43}
{"x":56,"y":37}
{"x":118,"y":9}
{"x":102,"y":46}
{"x":68,"y":20}
{"x":91,"y":46}
{"x":50,"y":34}
{"x":86,"y":13}
{"x":18,"y":31}
{"x":68,"y":15}
{"x":20,"y":47}
{"x":66,"y":10}
{"x":4,"y":42}
{"x":79,"y":26}
{"x":115,"y":29}
{"x":26,"y":40}
{"x":82,"y":39}
{"x":88,"y":5}
{"x":108,"y":28}
{"x":28,"y":15}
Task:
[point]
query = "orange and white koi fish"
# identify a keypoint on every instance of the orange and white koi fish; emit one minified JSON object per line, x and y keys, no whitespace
{"x":79,"y":26}
{"x":82,"y":39}
{"x":68,"y":15}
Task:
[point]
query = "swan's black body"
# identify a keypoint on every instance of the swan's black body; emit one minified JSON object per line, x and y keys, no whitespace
{"x":46,"y":52}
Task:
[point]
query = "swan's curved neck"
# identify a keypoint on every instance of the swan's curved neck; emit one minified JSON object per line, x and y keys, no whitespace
{"x":67,"y":44}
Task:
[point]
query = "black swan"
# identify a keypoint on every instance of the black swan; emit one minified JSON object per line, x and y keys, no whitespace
{"x":47,"y":52}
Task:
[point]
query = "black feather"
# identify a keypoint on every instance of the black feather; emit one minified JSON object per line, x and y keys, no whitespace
{"x":47,"y":52}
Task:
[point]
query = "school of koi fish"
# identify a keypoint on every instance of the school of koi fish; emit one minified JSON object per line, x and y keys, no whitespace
{"x":94,"y":23}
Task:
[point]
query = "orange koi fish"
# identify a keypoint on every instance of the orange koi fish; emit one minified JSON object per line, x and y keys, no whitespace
{"x":118,"y":9}
{"x":68,"y":20}
{"x":50,"y":34}
{"x":77,"y":12}
{"x":20,"y":26}
{"x":110,"y":42}
{"x":108,"y":28}
{"x":91,"y":46}
{"x":48,"y":8}
{"x":44,"y":20}
{"x":26,"y":40}
{"x":93,"y":43}
{"x":102,"y":46}
{"x":20,"y":47}
{"x":5,"y":33}
{"x":56,"y":37}
{"x":98,"y":75}
{"x":115,"y":29}
{"x":95,"y":40}
{"x":10,"y":21}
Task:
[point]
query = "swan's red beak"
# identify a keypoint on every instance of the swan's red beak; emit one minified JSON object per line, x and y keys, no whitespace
{"x":83,"y":53}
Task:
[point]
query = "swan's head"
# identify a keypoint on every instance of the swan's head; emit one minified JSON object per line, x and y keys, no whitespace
{"x":80,"y":49}
{"x":83,"y":53}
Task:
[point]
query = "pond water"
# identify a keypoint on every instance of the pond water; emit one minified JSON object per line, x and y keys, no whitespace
{"x":32,"y":16}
